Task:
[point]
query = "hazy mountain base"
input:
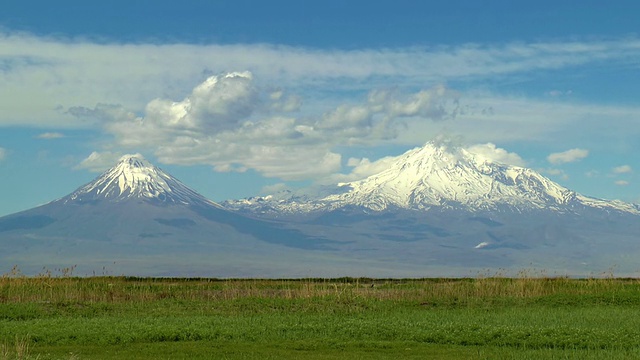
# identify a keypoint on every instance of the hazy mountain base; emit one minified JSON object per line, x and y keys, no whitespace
{"x":341,"y":243}
{"x":456,"y":243}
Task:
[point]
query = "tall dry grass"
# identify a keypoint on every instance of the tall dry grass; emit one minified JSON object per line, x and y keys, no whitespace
{"x":19,"y":350}
{"x":64,"y":287}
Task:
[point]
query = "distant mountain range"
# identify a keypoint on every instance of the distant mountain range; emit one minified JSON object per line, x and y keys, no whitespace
{"x":438,"y":210}
{"x":442,"y":177}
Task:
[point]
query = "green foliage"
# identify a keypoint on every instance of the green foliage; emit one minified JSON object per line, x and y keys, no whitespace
{"x":62,"y":317}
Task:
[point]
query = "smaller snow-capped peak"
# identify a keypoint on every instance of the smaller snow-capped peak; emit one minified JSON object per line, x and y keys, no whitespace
{"x":286,"y":201}
{"x":134,"y":177}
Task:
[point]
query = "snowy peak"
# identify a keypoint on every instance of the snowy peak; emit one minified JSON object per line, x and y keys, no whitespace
{"x":444,"y":175}
{"x":134,"y":177}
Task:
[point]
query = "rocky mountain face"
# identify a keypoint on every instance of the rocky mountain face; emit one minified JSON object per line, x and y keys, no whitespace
{"x":437,"y":210}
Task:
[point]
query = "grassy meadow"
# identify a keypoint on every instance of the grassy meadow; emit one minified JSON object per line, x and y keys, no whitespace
{"x":488,"y":317}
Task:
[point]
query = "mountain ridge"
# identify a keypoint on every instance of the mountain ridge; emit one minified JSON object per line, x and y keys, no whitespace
{"x":441,"y":176}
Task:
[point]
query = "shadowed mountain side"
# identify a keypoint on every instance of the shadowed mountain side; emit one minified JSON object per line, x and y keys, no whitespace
{"x":271,"y":232}
{"x":139,"y":239}
{"x":466,"y":243}
{"x":24,"y":221}
{"x":127,"y":223}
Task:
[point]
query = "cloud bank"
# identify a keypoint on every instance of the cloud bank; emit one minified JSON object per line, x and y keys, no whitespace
{"x":232,"y":124}
{"x":42,"y":77}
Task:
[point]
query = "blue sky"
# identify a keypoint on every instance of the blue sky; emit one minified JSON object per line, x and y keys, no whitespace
{"x":239,"y":98}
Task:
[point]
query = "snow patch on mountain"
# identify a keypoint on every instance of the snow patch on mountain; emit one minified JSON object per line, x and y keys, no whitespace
{"x":135,"y":178}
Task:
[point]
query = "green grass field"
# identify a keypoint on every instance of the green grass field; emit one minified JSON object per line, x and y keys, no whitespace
{"x":529,"y":317}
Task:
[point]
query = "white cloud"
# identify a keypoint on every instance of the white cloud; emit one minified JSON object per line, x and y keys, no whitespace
{"x":99,"y":161}
{"x":490,"y":151}
{"x":426,"y":103}
{"x":42,"y":75}
{"x":361,"y":169}
{"x":219,"y":103}
{"x":50,"y":135}
{"x":623,"y":169}
{"x":568,"y":156}
{"x":282,"y":103}
{"x":386,"y":114}
{"x":482,"y":117}
{"x":621,"y":182}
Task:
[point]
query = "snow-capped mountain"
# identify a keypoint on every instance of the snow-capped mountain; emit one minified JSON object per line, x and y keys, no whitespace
{"x":134,"y":177}
{"x":451,"y":177}
{"x":438,"y":210}
{"x":442,"y":205}
{"x":144,"y":220}
{"x":442,"y":176}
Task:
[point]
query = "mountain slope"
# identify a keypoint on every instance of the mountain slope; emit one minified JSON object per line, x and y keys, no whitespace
{"x":135,"y":178}
{"x":452,"y":177}
{"x":137,"y":214}
{"x":443,"y":177}
{"x":452,"y":211}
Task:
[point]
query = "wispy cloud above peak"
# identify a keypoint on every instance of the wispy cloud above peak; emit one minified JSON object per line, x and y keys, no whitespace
{"x":99,"y":161}
{"x":50,"y":135}
{"x":623,"y":169}
{"x":568,"y":156}
{"x":491,"y":151}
